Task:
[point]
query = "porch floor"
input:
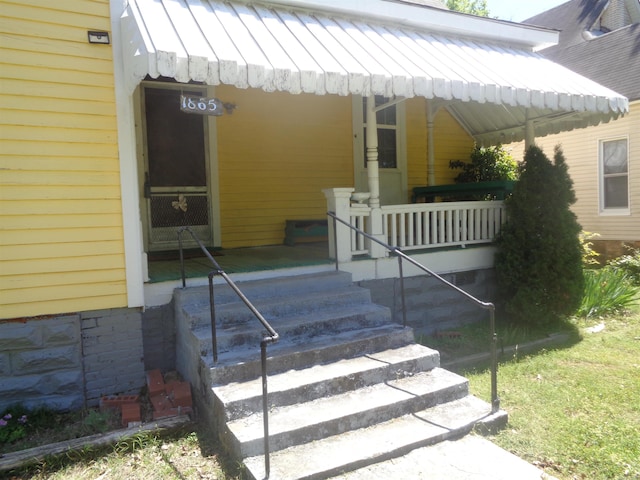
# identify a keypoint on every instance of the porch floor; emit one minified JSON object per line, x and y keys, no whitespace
{"x":166,"y":266}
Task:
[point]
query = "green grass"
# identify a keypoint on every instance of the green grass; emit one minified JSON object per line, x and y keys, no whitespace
{"x":30,"y":428}
{"x":475,"y":338}
{"x":575,"y":411}
{"x":185,"y":454}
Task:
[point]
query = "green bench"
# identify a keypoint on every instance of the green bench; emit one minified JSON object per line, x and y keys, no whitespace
{"x":500,"y":189}
{"x":309,"y":230}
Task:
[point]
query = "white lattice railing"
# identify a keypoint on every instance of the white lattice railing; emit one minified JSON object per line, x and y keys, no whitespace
{"x":431,"y":225}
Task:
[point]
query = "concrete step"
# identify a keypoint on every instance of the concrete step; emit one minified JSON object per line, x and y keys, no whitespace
{"x":347,"y":388}
{"x":282,"y":287}
{"x":329,"y":416}
{"x":239,"y":399}
{"x":272,"y":308}
{"x":297,"y":327}
{"x":469,"y":457}
{"x":380,"y":442}
{"x":242,"y":364}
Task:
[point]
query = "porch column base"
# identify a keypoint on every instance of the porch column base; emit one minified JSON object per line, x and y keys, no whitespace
{"x":339,"y":202}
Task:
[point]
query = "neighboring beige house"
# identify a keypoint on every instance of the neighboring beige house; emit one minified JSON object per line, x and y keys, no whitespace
{"x":600,"y":39}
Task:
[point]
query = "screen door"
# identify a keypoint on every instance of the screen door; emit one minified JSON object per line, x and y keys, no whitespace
{"x":176,"y":178}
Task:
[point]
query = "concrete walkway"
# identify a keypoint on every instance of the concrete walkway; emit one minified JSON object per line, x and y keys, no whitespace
{"x":468,"y":458}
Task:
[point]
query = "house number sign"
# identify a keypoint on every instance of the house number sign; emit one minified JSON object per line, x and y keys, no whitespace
{"x":201,"y":105}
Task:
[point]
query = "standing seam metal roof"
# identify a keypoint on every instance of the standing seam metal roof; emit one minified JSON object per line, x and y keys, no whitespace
{"x":279,"y":49}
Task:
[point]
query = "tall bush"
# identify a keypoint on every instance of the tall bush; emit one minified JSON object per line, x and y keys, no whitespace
{"x":539,"y":255}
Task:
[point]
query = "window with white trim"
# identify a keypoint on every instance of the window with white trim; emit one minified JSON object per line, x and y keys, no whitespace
{"x":387,"y":126}
{"x":614,"y":175}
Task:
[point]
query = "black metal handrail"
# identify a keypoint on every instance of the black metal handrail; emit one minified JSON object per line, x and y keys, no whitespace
{"x":495,"y":401}
{"x":271,"y":335}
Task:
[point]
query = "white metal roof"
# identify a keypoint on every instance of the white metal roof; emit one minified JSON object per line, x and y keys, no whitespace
{"x":489,"y":84}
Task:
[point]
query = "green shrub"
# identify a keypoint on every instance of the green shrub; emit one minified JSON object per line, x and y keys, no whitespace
{"x":630,"y":264}
{"x":487,"y":164}
{"x":607,"y":290}
{"x":589,"y":255}
{"x":539,"y":257}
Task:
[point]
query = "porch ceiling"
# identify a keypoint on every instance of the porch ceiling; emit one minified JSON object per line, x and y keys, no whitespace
{"x":491,"y":85}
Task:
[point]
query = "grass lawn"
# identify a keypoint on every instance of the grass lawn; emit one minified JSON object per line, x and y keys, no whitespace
{"x":575,"y":411}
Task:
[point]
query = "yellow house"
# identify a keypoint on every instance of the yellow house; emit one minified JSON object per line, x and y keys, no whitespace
{"x":101,"y":165}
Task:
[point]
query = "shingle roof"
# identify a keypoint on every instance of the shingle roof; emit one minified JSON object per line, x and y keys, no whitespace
{"x":611,"y":59}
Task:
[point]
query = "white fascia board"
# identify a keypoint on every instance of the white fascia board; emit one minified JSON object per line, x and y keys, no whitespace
{"x":433,"y":19}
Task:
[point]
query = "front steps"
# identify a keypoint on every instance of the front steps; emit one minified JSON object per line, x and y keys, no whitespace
{"x":347,"y":387}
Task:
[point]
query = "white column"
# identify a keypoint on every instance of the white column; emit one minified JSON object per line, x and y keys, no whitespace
{"x":375,"y":219}
{"x":431,"y":156}
{"x":371,"y":144}
{"x":339,"y":202}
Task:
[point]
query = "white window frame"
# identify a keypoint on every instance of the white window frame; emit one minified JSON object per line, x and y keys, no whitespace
{"x":604,"y":210}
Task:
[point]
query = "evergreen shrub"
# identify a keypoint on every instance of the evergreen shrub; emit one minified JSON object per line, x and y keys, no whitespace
{"x":539,"y":255}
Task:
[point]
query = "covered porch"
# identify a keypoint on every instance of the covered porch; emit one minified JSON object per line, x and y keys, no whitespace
{"x":482,"y":72}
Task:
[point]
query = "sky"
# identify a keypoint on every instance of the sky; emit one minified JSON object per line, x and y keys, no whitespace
{"x":518,"y":10}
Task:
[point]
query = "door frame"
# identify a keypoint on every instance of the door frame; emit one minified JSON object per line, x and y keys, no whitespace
{"x":211,"y":161}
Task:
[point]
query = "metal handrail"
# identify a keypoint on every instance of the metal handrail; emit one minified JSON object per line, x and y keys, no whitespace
{"x":495,"y":401}
{"x":271,"y":336}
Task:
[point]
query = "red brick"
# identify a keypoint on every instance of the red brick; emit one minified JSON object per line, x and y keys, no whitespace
{"x":180,"y":394}
{"x":160,"y":402}
{"x":171,"y":412}
{"x":155,"y":382}
{"x":113,"y":402}
{"x":130,"y":413}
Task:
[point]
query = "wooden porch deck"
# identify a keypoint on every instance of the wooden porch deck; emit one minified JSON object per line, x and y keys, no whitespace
{"x":166,"y":267}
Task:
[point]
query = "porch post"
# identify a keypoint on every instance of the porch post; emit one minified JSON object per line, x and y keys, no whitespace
{"x":373,"y":175}
{"x":431,"y":156}
{"x":339,"y":202}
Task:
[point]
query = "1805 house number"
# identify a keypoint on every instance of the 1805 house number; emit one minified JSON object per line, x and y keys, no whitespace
{"x":201,"y":105}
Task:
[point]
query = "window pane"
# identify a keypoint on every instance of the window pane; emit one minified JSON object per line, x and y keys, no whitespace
{"x":386,"y":116}
{"x":387,"y":157}
{"x":175,"y":141}
{"x":387,"y":148}
{"x":614,"y":156}
{"x":616,"y":194}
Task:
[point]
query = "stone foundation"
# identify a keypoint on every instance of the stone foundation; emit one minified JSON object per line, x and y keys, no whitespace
{"x":70,"y":361}
{"x":610,"y":249}
{"x":431,"y":305}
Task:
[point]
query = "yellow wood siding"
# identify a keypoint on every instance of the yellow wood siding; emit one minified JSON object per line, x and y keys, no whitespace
{"x":580,"y":148}
{"x":451,"y":142}
{"x":416,"y":121}
{"x":276,"y":153}
{"x":61,"y":234}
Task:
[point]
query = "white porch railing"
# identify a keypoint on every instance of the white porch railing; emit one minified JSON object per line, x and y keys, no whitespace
{"x":413,"y":226}
{"x":431,"y":225}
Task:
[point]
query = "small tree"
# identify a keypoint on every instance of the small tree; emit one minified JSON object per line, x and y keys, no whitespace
{"x":487,"y":164}
{"x":475,"y":7}
{"x":539,"y":257}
